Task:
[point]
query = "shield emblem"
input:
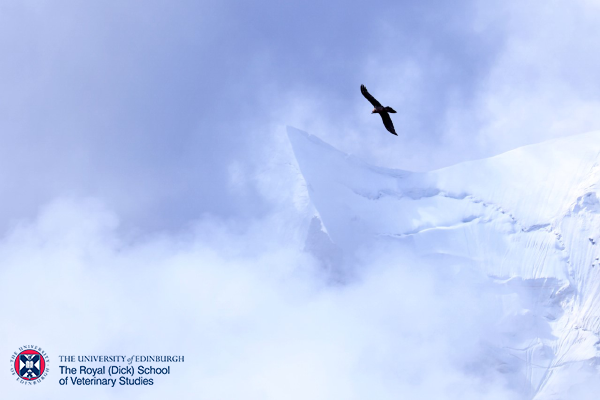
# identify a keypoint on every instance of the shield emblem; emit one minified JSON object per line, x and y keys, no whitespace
{"x":30,"y":365}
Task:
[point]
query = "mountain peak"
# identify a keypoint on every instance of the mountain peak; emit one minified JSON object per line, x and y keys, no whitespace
{"x":530,"y":215}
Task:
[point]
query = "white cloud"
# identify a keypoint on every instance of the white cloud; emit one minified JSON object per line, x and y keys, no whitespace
{"x":251,"y":312}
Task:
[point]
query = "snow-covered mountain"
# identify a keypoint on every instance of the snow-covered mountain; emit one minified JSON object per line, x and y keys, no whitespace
{"x":529,"y":219}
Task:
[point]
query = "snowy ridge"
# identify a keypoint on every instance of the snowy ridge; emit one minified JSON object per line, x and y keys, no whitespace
{"x":528,"y":218}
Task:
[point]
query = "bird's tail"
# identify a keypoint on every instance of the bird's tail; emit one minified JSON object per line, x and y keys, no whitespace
{"x":390,"y":110}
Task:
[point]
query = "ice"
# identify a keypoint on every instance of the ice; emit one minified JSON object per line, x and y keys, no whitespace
{"x":529,"y":219}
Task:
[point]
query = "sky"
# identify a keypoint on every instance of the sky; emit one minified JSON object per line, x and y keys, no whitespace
{"x":149,"y":104}
{"x":142,"y":134}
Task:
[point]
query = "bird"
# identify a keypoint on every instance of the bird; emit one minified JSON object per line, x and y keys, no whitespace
{"x":379,"y":109}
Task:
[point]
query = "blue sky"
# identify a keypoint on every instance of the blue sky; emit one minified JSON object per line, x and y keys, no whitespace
{"x":148,"y":105}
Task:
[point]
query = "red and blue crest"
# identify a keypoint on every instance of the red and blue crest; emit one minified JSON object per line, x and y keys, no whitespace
{"x":30,"y":365}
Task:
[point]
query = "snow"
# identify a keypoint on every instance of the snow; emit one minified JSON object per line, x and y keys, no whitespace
{"x":528,"y":219}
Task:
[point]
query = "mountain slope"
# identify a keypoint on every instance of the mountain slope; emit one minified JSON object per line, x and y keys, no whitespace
{"x":528,"y":218}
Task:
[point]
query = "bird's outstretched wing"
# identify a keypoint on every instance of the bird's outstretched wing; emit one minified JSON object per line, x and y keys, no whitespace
{"x":368,"y":96}
{"x":387,"y":121}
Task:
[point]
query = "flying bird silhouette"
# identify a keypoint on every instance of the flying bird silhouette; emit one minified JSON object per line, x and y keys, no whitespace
{"x":379,"y":109}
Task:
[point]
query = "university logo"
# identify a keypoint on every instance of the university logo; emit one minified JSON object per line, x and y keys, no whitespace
{"x":30,"y":364}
